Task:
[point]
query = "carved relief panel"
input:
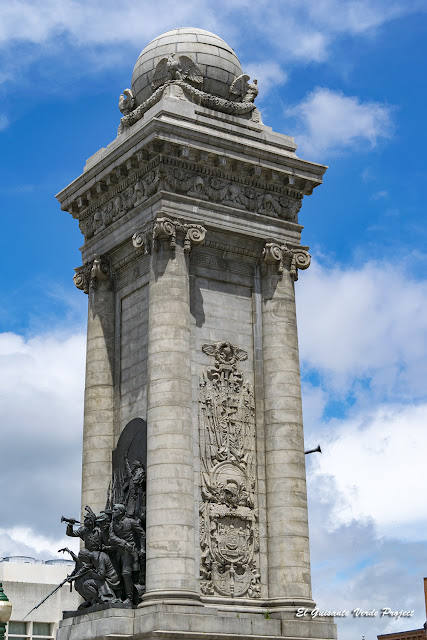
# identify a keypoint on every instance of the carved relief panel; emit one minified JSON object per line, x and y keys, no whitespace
{"x":229,"y":532}
{"x":192,"y":179}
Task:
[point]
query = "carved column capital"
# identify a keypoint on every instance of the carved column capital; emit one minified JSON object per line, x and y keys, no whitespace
{"x":280,"y":255}
{"x":100,"y":273}
{"x":143,"y":239}
{"x":194,"y":234}
{"x":169,"y":229}
{"x":94,"y":274}
{"x":82,"y":277}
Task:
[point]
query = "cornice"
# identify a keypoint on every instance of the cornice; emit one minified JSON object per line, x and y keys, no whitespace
{"x":201,"y":146}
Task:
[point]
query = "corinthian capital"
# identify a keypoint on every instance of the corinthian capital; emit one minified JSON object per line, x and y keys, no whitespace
{"x":281,"y":255}
{"x":94,"y":274}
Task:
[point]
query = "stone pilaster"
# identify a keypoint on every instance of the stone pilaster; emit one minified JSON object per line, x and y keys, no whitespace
{"x":98,"y":431}
{"x":171,"y":563}
{"x":287,"y":540}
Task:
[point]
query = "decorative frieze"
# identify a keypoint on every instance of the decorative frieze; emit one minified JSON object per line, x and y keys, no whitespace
{"x":93,"y":274}
{"x":229,"y":532}
{"x":177,"y":175}
{"x":280,"y":255}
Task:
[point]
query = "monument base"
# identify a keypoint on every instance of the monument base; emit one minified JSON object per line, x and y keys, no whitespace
{"x":175,"y":621}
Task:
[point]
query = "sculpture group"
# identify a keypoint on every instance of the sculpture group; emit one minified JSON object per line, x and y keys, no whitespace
{"x":186,"y":80}
{"x":110,"y":569}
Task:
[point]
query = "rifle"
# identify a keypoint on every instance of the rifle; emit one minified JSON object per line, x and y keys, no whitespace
{"x":67,"y":579}
{"x":48,"y":596}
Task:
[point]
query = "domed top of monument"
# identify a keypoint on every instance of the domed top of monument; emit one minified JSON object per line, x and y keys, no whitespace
{"x":195,"y":55}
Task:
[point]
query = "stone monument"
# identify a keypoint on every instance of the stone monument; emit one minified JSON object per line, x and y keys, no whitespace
{"x":190,"y":255}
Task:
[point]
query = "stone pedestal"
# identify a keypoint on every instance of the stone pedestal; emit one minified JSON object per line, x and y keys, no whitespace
{"x":192,"y":247}
{"x":180,"y":620}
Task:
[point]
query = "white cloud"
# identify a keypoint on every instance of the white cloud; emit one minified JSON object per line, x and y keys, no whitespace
{"x":41,"y":413}
{"x":304,"y":28}
{"x":328,"y":122}
{"x":96,"y":22}
{"x":354,"y":567}
{"x":374,"y":459}
{"x":4,"y":122}
{"x":358,"y":16}
{"x":292,"y":35}
{"x":365,"y":324}
{"x":25,"y":541}
{"x":304,"y":31}
{"x":269,"y":74}
{"x":366,"y":518}
{"x":41,"y":365}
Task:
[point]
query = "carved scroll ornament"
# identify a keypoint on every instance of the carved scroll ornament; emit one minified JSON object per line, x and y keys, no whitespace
{"x":280,"y":254}
{"x":229,"y":536}
{"x":93,"y":274}
{"x":167,"y":228}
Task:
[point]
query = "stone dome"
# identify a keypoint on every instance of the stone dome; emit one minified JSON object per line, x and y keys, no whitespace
{"x":217,"y":61}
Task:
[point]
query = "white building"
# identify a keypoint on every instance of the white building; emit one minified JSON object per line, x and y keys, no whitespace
{"x":26,"y":582}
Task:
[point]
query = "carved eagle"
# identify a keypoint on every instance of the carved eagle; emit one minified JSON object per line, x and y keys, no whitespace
{"x":242,"y":90}
{"x":225,"y":352}
{"x":126,"y":102}
{"x":176,"y":68}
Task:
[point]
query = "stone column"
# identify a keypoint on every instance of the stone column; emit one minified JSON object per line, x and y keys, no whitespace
{"x":287,"y":538}
{"x":171,"y":564}
{"x":98,"y":429}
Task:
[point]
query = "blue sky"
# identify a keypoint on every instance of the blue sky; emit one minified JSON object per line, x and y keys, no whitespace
{"x":347,"y":79}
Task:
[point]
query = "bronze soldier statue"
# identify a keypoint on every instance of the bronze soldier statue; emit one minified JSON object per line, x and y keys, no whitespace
{"x":127,"y":537}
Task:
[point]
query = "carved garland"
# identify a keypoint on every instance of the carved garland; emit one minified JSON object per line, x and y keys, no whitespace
{"x":229,"y":532}
{"x":199,"y":97}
